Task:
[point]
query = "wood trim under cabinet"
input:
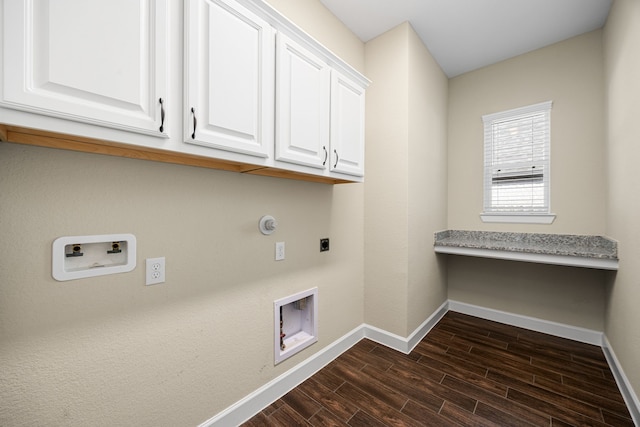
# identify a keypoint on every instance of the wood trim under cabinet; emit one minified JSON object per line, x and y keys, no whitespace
{"x":21,"y":135}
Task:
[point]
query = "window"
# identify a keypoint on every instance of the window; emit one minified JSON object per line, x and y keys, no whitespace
{"x":516,"y":165}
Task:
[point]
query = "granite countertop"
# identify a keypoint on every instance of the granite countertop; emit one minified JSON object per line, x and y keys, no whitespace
{"x":597,"y":247}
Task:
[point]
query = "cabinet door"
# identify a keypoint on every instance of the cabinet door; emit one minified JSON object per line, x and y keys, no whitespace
{"x":102,"y":62}
{"x":347,"y":126}
{"x":229,"y":78}
{"x":302,"y":105}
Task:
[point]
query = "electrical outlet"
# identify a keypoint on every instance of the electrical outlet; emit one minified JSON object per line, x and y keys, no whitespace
{"x":155,"y":271}
{"x":279,"y":251}
{"x":324,"y":244}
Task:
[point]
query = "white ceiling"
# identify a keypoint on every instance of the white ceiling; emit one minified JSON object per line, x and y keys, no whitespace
{"x":463,"y":35}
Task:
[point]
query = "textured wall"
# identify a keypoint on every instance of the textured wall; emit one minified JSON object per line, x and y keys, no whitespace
{"x":427,"y":191}
{"x":111,"y":351}
{"x":386,"y":186}
{"x":405,"y":190}
{"x":568,"y":295}
{"x":622,"y":68}
{"x":570,"y":74}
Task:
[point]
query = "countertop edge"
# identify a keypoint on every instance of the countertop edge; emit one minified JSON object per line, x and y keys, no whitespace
{"x":562,"y":249}
{"x":566,"y":260}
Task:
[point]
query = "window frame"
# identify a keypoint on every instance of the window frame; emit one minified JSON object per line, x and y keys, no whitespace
{"x":489,"y":120}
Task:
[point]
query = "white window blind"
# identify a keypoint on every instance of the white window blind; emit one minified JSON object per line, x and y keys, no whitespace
{"x":516,"y":171}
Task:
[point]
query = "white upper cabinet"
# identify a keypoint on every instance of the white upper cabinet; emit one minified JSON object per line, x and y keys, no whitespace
{"x":347,"y":125}
{"x":230,"y":63}
{"x":231,"y":84}
{"x":302,"y":105}
{"x":93,"y":61}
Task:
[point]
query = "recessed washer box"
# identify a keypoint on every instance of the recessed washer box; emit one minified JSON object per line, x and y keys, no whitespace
{"x":295,"y":323}
{"x":77,"y":257}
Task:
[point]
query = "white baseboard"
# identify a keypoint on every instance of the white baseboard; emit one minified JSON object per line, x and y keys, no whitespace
{"x":249,"y":406}
{"x":552,"y":328}
{"x":405,"y":345}
{"x":629,"y":395}
{"x":246,"y":408}
{"x":255,"y":402}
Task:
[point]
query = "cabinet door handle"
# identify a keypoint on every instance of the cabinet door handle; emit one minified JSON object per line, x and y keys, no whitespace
{"x":161,"y":115}
{"x":326,"y":155}
{"x":195,"y":123}
{"x":337,"y":158}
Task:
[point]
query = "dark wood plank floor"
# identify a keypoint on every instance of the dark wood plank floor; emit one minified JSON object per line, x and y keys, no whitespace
{"x":465,"y":372}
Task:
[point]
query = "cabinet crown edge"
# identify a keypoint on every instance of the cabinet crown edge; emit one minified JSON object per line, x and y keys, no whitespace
{"x":283,"y":24}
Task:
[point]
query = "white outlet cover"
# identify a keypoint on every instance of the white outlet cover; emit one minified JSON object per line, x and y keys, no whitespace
{"x":279,"y":251}
{"x":155,"y":272}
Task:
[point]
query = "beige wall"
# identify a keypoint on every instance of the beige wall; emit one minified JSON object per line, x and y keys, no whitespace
{"x":567,"y":295}
{"x":427,"y":175}
{"x":320,"y":23}
{"x":111,"y":351}
{"x":386,"y":198}
{"x":405,"y":196}
{"x":570,"y":74}
{"x":622,"y":68}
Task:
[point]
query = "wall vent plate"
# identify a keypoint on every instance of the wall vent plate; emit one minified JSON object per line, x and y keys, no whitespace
{"x":78,"y":257}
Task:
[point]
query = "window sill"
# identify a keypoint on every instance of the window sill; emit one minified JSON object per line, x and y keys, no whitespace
{"x":519,"y":219}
